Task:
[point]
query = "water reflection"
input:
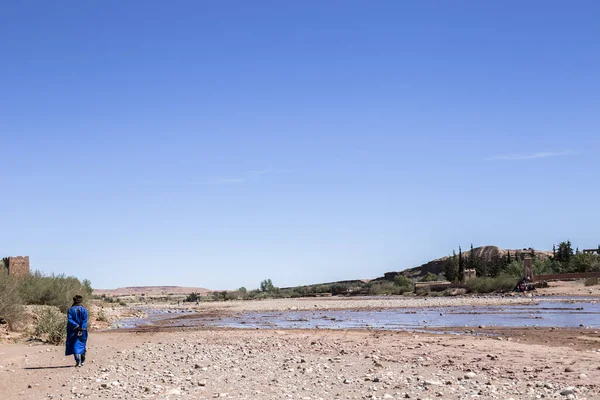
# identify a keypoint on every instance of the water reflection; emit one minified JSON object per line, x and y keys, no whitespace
{"x":543,"y":314}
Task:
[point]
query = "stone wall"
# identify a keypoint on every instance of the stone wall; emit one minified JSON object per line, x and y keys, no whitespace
{"x":17,"y":266}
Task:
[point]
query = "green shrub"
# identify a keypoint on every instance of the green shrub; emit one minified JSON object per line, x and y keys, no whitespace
{"x":430,"y":277}
{"x":543,"y":267}
{"x":51,"y":290}
{"x":515,"y":269}
{"x":51,"y":325}
{"x":401,"y":280}
{"x":192,"y":297}
{"x":10,"y":300}
{"x":585,"y":262}
{"x":382,"y":288}
{"x":502,"y":283}
{"x":109,"y":299}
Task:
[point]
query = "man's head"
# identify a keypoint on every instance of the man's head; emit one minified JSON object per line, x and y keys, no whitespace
{"x":77,"y":300}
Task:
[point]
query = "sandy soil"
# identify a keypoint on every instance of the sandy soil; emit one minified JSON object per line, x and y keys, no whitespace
{"x":571,"y":288}
{"x":260,"y":364}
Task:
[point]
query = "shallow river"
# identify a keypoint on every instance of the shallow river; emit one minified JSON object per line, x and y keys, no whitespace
{"x":558,"y":312}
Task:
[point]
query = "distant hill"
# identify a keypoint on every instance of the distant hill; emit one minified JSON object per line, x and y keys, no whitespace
{"x":150,"y":291}
{"x":484,"y":252}
{"x":435,"y":266}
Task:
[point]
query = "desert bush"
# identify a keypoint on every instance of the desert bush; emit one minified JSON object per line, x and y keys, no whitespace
{"x":381,"y":288}
{"x":591,"y":281}
{"x":109,"y":299}
{"x":401,"y":280}
{"x":10,"y":300}
{"x":192,"y":297}
{"x":430,"y":277}
{"x":404,"y":284}
{"x":51,"y":325}
{"x":51,"y":290}
{"x":102,"y":316}
{"x":423,"y":291}
{"x":502,"y":283}
{"x":233,"y":295}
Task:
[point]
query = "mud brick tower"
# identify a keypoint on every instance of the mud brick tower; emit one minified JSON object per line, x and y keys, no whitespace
{"x":16,"y":266}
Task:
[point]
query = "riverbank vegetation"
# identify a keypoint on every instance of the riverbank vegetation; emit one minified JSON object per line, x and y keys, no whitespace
{"x":564,"y":259}
{"x":55,"y":291}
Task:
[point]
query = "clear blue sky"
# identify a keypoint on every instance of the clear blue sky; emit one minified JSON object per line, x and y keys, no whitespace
{"x":217,"y":144}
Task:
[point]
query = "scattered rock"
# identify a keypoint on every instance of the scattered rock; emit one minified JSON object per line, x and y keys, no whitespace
{"x":470,"y":375}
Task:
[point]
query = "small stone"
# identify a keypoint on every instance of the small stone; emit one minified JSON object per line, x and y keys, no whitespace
{"x":470,"y":375}
{"x":567,"y":391}
{"x":582,"y":376}
{"x":569,"y":369}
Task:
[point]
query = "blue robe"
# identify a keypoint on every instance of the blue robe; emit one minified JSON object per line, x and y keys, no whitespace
{"x":77,"y":322}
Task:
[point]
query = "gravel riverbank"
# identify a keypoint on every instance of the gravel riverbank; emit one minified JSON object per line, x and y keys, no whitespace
{"x":361,"y":303}
{"x":301,"y":365}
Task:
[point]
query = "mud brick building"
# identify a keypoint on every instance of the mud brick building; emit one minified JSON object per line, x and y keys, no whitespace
{"x":16,"y":266}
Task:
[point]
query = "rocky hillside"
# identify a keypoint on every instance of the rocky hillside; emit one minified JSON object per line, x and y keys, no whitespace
{"x":486,"y":253}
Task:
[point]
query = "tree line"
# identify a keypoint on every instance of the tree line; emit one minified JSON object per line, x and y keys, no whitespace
{"x":563,"y":260}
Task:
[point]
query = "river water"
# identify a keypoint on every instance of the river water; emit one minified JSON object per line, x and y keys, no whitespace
{"x":552,"y":312}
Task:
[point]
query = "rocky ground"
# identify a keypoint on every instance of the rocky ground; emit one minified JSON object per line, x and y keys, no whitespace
{"x":174,"y":363}
{"x":262,"y":364}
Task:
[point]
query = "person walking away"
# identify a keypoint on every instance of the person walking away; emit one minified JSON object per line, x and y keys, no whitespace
{"x":77,"y":334}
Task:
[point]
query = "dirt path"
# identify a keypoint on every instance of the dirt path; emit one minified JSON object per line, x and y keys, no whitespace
{"x":260,"y":364}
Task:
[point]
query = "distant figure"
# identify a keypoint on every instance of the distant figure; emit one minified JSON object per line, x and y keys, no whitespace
{"x":77,"y":331}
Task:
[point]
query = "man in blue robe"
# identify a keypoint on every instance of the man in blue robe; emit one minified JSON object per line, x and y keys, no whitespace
{"x":77,"y":331}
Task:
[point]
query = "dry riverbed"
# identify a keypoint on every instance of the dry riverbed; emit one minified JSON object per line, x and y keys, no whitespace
{"x":165,"y":362}
{"x":313,"y":364}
